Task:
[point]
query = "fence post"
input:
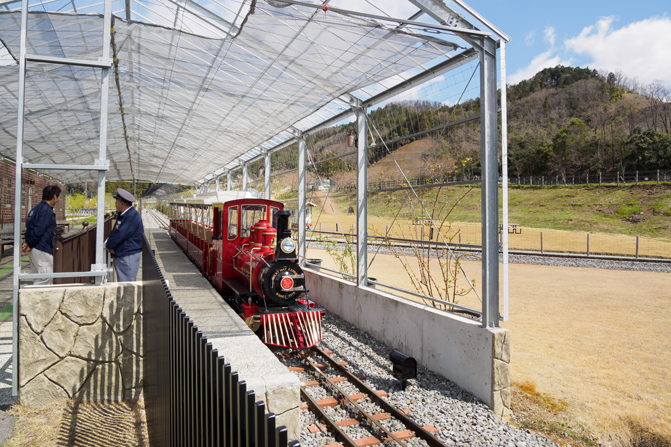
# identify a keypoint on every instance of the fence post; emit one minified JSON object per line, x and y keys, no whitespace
{"x":637,"y":177}
{"x":587,"y":244}
{"x":658,"y":176}
{"x":421,"y":232}
{"x":460,"y":233}
{"x":84,"y":261}
{"x":542,"y":180}
{"x":336,"y":227}
{"x":531,"y":180}
{"x":431,"y":233}
{"x":599,"y":178}
{"x":386,"y":231}
{"x":587,"y":180}
{"x":618,"y":178}
{"x":541,"y":242}
{"x":320,"y":227}
{"x":556,"y":180}
{"x":58,"y":253}
{"x":573,"y":181}
{"x":637,"y":247}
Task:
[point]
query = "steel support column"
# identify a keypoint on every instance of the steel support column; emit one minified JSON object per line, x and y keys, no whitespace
{"x":217,"y":185}
{"x":361,"y":196}
{"x":228,"y":181}
{"x":490,"y":182}
{"x":17,"y":199}
{"x":244,"y":177}
{"x":266,"y":183}
{"x":302,"y":168}
{"x":504,"y":175}
{"x":102,"y":150}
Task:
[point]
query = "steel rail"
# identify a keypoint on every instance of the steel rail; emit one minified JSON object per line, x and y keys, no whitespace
{"x":395,"y":412}
{"x":337,"y":431}
{"x":348,"y":400}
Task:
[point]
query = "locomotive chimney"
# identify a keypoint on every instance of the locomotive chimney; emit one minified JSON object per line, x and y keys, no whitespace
{"x":283,"y":225}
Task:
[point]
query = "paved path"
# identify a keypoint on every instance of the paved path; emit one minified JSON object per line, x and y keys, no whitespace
{"x":6,"y":399}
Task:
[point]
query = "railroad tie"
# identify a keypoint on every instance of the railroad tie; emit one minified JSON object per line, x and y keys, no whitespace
{"x":331,"y":402}
{"x":403,"y":434}
{"x":321,"y":366}
{"x":316,"y":382}
{"x":377,"y":417}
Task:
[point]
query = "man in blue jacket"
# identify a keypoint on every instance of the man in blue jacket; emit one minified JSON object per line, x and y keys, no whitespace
{"x":39,"y":243}
{"x":125,"y":240}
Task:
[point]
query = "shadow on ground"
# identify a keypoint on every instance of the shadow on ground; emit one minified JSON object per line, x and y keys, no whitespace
{"x":95,"y":424}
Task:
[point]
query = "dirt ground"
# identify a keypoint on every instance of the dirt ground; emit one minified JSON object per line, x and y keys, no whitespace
{"x":594,"y":338}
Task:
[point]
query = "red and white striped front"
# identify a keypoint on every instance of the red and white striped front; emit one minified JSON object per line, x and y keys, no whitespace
{"x":297,"y":330}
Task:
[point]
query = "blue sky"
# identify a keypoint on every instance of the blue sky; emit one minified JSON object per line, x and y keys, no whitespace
{"x":634,"y":37}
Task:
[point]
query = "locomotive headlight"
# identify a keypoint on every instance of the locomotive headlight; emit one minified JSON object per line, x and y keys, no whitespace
{"x":288,"y":245}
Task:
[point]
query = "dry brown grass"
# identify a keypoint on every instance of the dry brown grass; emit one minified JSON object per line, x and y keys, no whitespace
{"x":72,"y":423}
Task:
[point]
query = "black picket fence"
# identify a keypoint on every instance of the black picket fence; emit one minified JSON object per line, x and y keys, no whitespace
{"x":192,"y":397}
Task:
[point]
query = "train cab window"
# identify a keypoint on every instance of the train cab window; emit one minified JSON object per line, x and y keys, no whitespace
{"x":232,"y":222}
{"x":273,"y":216}
{"x":251,"y":214}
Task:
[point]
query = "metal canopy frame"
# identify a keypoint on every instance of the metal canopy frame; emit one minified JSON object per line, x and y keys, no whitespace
{"x":101,"y":165}
{"x":216,"y":59}
{"x":484,"y":49}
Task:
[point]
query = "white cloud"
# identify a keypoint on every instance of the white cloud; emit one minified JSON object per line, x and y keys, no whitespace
{"x":529,"y":40}
{"x":543,"y":60}
{"x":550,"y":35}
{"x":640,"y":49}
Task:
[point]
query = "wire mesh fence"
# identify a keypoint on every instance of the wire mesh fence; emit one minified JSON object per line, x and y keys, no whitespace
{"x":619,"y":178}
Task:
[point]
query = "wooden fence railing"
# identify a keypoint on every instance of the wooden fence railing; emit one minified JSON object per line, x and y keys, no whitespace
{"x":76,"y":252}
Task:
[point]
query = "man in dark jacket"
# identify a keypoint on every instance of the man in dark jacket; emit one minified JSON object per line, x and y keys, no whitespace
{"x":125,"y":240}
{"x":39,"y":243}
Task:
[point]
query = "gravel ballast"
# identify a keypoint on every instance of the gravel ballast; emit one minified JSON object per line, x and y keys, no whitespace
{"x":460,"y":417}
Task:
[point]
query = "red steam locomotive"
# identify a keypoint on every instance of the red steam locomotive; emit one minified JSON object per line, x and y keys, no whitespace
{"x":245,"y":248}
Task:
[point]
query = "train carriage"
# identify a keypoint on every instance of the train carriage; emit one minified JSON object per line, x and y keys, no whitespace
{"x":244,"y":246}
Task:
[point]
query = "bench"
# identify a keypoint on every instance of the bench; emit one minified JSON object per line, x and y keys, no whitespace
{"x":64,"y":225}
{"x":4,"y":242}
{"x":512,"y":228}
{"x":421,"y":221}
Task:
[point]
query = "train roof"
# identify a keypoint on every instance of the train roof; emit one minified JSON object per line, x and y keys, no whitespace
{"x":208,"y":198}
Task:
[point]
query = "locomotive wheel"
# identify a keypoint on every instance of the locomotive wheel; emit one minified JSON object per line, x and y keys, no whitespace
{"x":279,"y":281}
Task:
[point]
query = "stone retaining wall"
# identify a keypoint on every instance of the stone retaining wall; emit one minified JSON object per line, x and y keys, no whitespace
{"x":80,"y":342}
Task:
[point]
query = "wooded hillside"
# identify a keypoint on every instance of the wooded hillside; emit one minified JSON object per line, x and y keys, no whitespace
{"x":564,"y":121}
{"x":576,"y":121}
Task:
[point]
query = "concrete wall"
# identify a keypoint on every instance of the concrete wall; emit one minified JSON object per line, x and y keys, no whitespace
{"x":228,"y":333}
{"x":80,"y":342}
{"x":475,"y":358}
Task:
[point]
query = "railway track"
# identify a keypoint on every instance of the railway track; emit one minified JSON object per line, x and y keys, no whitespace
{"x":354,"y":414}
{"x":158,"y":220}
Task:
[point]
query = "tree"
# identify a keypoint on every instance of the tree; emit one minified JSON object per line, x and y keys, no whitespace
{"x":567,"y":144}
{"x":648,"y":151}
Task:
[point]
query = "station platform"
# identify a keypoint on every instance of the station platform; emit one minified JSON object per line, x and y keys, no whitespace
{"x":228,"y":333}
